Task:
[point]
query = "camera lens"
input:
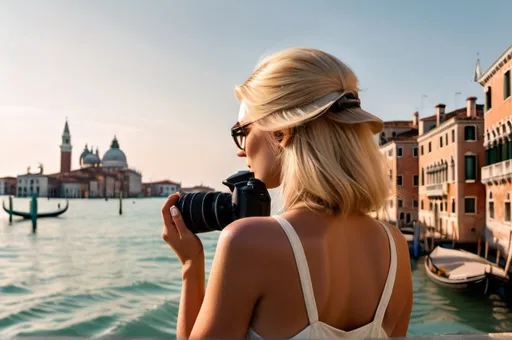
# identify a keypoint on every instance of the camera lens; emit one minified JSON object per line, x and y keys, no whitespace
{"x":206,"y":211}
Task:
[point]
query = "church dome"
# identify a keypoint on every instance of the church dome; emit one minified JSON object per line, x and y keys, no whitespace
{"x":84,"y":154}
{"x":91,"y":159}
{"x":114,"y":157}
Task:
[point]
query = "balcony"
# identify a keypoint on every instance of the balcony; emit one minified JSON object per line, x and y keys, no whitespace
{"x":437,"y":190}
{"x":496,"y":173}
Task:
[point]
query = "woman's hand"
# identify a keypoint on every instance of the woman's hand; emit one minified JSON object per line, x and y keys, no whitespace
{"x":186,"y":245}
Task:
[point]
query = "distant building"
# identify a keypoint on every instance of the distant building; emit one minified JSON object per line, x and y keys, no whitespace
{"x":7,"y":185}
{"x":497,"y":171}
{"x":399,"y":146}
{"x":96,"y":178}
{"x":197,"y":188}
{"x":451,"y":195}
{"x":163,"y":188}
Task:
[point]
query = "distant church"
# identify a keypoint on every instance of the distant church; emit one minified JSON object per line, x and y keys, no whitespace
{"x":97,"y":178}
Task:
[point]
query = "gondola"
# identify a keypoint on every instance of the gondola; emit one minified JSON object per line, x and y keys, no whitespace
{"x":463,"y":271}
{"x":27,"y":215}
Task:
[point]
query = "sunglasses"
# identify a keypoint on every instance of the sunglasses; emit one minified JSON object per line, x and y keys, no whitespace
{"x":239,"y":134}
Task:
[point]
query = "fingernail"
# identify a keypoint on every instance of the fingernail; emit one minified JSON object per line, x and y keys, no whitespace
{"x":174,"y":211}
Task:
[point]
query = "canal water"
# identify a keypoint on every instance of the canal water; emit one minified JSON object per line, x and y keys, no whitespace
{"x":94,"y":273}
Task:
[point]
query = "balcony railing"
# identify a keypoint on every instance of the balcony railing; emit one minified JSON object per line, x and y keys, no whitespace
{"x":497,"y":172}
{"x":437,"y":190}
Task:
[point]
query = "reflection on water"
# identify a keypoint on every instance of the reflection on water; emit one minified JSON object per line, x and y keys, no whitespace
{"x":92,"y":272}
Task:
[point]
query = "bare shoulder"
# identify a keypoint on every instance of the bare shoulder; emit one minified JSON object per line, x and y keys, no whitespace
{"x":252,"y":236}
{"x":400,"y":240}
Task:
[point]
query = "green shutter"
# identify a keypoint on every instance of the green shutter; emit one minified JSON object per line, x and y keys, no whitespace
{"x":470,"y":167}
{"x":506,"y":85}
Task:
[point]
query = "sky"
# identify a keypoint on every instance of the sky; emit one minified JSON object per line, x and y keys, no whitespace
{"x":160,"y":75}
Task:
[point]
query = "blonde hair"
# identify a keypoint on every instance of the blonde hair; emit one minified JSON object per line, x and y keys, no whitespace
{"x":328,"y":166}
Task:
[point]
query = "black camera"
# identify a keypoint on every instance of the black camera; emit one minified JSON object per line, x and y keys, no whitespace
{"x":208,"y":211}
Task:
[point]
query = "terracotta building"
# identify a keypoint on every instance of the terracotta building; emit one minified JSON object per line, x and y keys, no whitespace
{"x":451,"y":195}
{"x":7,"y":185}
{"x":497,"y":171}
{"x":399,"y":146}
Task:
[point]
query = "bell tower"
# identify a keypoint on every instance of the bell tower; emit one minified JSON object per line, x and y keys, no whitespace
{"x":65,"y":150}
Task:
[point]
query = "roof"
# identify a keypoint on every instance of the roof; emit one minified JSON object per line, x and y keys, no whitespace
{"x":198,"y":188}
{"x":7,"y":178}
{"x":502,"y":59}
{"x":460,"y":114}
{"x":411,"y":134}
{"x":398,"y":123}
{"x":163,"y":182}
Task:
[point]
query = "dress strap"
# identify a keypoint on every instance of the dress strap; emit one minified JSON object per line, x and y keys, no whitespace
{"x":302,"y":266}
{"x":390,"y":281}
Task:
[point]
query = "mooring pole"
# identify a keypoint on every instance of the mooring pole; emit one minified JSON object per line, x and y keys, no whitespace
{"x":120,"y":202}
{"x":10,"y":209}
{"x":33,"y":213}
{"x":416,"y":239}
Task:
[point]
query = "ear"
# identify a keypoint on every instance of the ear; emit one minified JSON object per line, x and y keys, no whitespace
{"x":283,"y":137}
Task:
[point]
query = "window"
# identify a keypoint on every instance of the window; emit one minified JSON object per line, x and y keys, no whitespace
{"x":422,"y":176}
{"x":470,"y":167}
{"x":491,"y":209}
{"x":415,"y":180}
{"x":453,"y":136}
{"x":399,"y":152}
{"x":453,"y":170}
{"x":506,"y":85}
{"x":430,"y":205}
{"x":469,"y":132}
{"x":507,"y":211}
{"x":469,"y":205}
{"x":422,"y":150}
{"x":429,"y":146}
{"x":421,"y":204}
{"x":453,"y":205}
{"x":415,"y":204}
{"x":400,"y":203}
{"x":440,"y":141}
{"x":393,"y":134}
{"x":399,"y":179}
{"x":446,"y":138}
{"x":488,"y":99}
{"x":390,"y":153}
{"x":415,"y":152}
{"x":445,"y":206}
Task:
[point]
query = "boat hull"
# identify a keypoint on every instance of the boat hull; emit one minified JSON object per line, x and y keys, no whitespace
{"x":27,"y":215}
{"x":480,"y":285}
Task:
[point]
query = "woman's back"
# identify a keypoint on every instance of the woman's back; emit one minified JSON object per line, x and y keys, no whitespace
{"x":301,"y":127}
{"x":349,"y":263}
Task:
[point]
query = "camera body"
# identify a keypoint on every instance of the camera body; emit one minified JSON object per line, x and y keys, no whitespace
{"x":209,"y":211}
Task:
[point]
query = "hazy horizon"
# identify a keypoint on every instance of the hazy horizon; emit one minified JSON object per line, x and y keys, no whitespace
{"x":160,"y":75}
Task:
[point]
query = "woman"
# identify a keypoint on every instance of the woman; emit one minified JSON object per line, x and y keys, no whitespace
{"x":323,"y":268}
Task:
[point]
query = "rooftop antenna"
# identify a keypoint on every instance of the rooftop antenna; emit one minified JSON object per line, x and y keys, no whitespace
{"x":455,"y":99}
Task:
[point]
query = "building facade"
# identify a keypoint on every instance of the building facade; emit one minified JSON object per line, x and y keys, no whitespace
{"x":7,"y":186}
{"x":451,"y":195}
{"x":97,"y":177}
{"x":400,"y":150}
{"x":164,"y":188}
{"x":497,"y":170}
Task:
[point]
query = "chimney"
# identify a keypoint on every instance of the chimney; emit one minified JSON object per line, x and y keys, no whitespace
{"x":471,"y":107}
{"x":440,"y":114}
{"x":415,"y":119}
{"x":421,"y":128}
